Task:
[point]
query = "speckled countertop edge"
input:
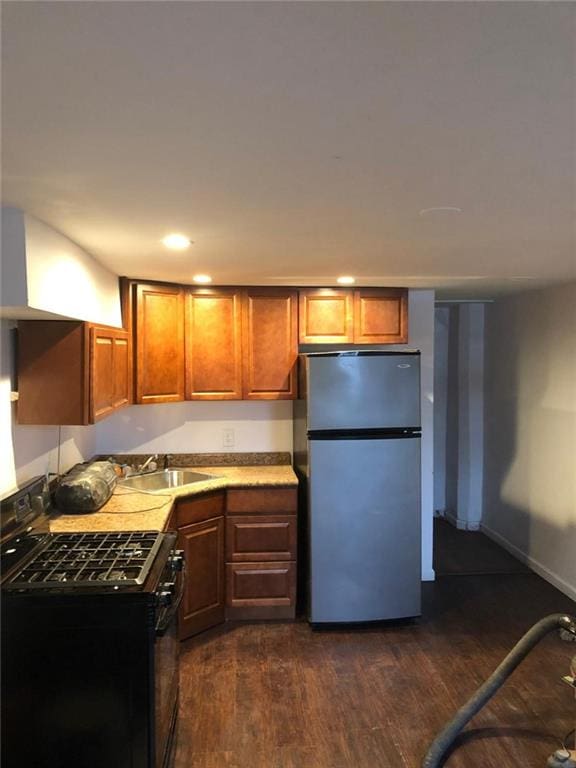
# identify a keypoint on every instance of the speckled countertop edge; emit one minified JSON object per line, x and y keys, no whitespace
{"x":132,"y":510}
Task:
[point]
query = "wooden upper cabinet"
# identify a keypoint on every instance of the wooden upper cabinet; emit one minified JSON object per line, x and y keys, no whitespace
{"x":159,"y":321}
{"x":358,"y":316}
{"x":326,"y":316}
{"x":110,"y":378}
{"x":53,"y":385}
{"x":270,"y":344}
{"x":380,"y":316}
{"x":71,"y":372}
{"x":213,"y":344}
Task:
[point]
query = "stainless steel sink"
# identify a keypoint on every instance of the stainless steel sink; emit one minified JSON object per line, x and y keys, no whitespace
{"x":169,"y":478}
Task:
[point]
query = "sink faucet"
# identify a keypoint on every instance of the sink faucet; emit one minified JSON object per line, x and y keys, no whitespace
{"x":143,"y":467}
{"x":167,"y":460}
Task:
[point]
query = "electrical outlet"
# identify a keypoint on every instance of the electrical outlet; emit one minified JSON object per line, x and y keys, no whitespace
{"x":228,"y":438}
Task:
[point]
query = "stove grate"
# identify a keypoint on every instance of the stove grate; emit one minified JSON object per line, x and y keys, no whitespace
{"x":90,"y":560}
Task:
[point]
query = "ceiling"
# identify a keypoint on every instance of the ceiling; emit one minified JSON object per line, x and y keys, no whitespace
{"x":297,"y":141}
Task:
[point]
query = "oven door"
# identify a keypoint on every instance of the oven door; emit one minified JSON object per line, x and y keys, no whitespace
{"x":166,"y":656}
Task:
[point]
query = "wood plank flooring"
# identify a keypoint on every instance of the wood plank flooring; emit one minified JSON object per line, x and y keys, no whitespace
{"x":280,"y":695}
{"x":470,"y":552}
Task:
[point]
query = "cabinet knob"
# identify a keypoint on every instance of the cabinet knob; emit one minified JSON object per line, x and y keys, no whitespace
{"x":176,"y":560}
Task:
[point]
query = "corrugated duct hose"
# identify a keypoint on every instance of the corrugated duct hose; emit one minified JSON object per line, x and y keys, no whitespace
{"x":440,"y":745}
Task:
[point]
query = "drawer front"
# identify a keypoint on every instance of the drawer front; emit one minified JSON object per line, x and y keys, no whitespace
{"x":251,"y":585}
{"x":195,"y":510}
{"x":264,"y":501}
{"x":253,"y":538}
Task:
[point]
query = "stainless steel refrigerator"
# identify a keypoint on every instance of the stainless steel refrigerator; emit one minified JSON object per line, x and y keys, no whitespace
{"x":357,"y":452}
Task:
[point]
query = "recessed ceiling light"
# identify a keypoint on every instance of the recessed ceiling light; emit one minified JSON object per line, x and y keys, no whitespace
{"x":346,"y":280}
{"x":440,"y":209}
{"x":202,"y":279}
{"x":176,"y":242}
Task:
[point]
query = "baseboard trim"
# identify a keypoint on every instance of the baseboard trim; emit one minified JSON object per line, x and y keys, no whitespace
{"x":535,"y":565}
{"x":462,"y":525}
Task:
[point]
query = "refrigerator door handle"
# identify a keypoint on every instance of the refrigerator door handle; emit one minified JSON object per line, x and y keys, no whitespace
{"x":365,"y":434}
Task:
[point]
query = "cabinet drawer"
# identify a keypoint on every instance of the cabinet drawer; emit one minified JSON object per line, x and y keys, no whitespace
{"x":260,"y":538}
{"x":195,"y":510}
{"x":261,"y":590}
{"x":263,"y":501}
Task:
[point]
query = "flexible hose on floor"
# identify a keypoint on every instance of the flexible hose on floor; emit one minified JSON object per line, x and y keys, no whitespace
{"x":445,"y":738}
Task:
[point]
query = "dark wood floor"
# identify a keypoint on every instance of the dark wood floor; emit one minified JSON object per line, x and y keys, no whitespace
{"x":458,"y":553}
{"x":284,"y":696}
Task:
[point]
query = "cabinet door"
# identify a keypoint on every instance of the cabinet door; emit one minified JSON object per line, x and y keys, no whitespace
{"x":109,"y":371}
{"x":261,"y":590}
{"x":203,"y":602}
{"x":270,"y":344}
{"x":381,"y":316}
{"x":213,"y":344}
{"x":159,"y":343}
{"x":326,"y":316}
{"x":122,"y":370}
{"x":101,"y":373}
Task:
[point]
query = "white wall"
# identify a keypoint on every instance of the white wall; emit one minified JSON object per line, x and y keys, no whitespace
{"x":7,"y":465}
{"x":13,"y":288}
{"x":45,"y":272}
{"x":459,"y":413}
{"x":441,"y":336}
{"x":470,"y":416}
{"x":530,"y":430}
{"x":421,"y":336}
{"x":197,"y":427}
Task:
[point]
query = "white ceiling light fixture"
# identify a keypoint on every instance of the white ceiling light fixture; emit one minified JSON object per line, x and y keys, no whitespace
{"x":346,"y":280}
{"x":176,"y":242}
{"x":202,"y":279}
{"x":440,"y":209}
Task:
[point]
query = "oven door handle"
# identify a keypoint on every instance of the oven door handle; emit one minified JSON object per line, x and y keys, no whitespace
{"x":166,"y":618}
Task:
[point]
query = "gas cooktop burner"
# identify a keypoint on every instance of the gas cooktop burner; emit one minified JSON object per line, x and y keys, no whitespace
{"x":89,"y":560}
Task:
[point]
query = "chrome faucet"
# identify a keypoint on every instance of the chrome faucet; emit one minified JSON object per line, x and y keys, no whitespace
{"x":143,"y":467}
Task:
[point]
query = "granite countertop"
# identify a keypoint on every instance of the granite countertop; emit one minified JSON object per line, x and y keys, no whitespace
{"x":131,"y":510}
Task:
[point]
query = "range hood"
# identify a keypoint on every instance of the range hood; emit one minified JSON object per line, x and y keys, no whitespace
{"x":44,"y":275}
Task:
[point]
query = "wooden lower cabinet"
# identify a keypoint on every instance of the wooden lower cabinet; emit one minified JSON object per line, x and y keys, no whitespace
{"x":240,"y":552}
{"x":203,"y":603}
{"x":261,"y":536}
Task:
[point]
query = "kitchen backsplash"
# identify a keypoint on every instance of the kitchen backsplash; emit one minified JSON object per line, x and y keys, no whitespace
{"x":205,"y":459}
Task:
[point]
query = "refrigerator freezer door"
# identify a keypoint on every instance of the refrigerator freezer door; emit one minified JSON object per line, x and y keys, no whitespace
{"x":364,"y":391}
{"x":364,"y":528}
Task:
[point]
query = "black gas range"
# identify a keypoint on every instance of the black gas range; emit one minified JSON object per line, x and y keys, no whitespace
{"x":89,"y":642}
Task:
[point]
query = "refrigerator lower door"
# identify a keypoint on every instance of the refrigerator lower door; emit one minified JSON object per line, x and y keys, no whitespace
{"x":365,"y":529}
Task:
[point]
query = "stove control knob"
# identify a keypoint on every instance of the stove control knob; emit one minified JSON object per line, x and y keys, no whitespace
{"x":176,"y":560}
{"x":164,"y":597}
